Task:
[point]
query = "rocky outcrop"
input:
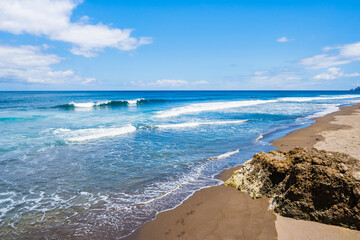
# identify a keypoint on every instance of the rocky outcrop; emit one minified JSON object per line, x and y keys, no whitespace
{"x":357,"y":89}
{"x":305,"y":184}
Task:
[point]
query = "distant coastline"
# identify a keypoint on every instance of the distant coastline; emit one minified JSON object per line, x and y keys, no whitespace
{"x":357,"y":89}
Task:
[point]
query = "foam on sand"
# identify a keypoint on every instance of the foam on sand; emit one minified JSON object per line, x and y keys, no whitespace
{"x":189,"y":179}
{"x":210,"y":106}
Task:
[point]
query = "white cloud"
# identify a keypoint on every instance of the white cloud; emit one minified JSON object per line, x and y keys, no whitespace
{"x":30,"y":64}
{"x":351,"y":50}
{"x":344,"y":54}
{"x":323,"y":61}
{"x":51,"y":18}
{"x":88,"y":80}
{"x":275,"y":79}
{"x":266,"y":75}
{"x":283,"y":39}
{"x":168,"y":83}
{"x":162,"y":83}
{"x":334,"y":73}
{"x":261,"y":75}
{"x":200,"y":82}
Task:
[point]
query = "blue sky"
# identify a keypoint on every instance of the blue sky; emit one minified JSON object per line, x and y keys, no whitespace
{"x":179,"y":45}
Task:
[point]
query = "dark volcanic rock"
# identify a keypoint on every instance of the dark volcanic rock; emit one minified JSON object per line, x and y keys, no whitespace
{"x":305,"y":184}
{"x":357,"y":89}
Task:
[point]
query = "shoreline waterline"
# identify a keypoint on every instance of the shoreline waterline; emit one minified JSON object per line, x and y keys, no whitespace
{"x":307,"y":136}
{"x":107,"y":170}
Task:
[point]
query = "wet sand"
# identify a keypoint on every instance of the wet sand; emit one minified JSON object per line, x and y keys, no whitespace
{"x":214,"y":213}
{"x":225,"y":213}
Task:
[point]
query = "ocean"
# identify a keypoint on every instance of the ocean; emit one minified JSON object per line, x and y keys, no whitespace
{"x":100,"y":164}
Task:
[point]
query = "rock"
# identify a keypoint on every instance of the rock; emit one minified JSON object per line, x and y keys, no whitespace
{"x":357,"y":89}
{"x":305,"y":184}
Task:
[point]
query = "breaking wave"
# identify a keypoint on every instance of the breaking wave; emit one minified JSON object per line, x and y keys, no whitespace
{"x":193,"y":108}
{"x":211,"y":106}
{"x":259,"y":138}
{"x":113,"y":103}
{"x":307,"y":99}
{"x":196,"y":124}
{"x":225,"y":155}
{"x":96,"y":133}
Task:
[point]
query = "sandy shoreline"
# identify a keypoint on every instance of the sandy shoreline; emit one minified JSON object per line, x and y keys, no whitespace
{"x":224,"y":213}
{"x":310,"y":136}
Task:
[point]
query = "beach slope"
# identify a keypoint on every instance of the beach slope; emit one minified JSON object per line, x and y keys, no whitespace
{"x":225,"y":213}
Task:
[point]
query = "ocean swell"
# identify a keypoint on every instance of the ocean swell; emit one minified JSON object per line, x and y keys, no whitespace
{"x":197,"y":124}
{"x":308,"y":99}
{"x":210,"y":106}
{"x":107,"y":104}
{"x":92,"y":133}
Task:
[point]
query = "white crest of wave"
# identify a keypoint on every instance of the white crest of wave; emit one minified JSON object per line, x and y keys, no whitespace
{"x":259,"y":138}
{"x":93,"y":133}
{"x":307,"y":99}
{"x":82,"y":105}
{"x":60,"y":131}
{"x":95,"y":104}
{"x":225,"y":155}
{"x":88,"y":104}
{"x":134,"y":102}
{"x":196,"y":124}
{"x":211,"y":106}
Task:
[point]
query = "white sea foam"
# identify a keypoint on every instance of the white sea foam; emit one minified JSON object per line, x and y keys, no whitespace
{"x":225,"y":155}
{"x":354,"y":101}
{"x":104,"y":103}
{"x":12,"y":193}
{"x":330,"y":108}
{"x":259,"y":138}
{"x":163,"y":195}
{"x":7,"y":202}
{"x":228,"y":154}
{"x":308,"y":99}
{"x":134,"y":102}
{"x":61,"y":130}
{"x":88,"y":104}
{"x":169,"y":188}
{"x":210,"y":106}
{"x":196,"y":124}
{"x":92,"y":133}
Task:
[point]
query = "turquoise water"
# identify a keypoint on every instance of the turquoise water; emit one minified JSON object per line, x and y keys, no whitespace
{"x":100,"y":164}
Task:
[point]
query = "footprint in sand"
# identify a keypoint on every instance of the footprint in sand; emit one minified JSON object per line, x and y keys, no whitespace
{"x":191,"y":212}
{"x":180,"y":234}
